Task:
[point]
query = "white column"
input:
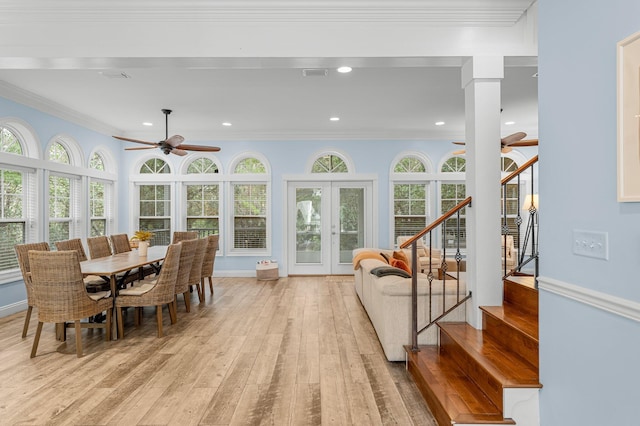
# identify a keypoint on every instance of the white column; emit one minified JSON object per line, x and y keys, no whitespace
{"x":481,"y":82}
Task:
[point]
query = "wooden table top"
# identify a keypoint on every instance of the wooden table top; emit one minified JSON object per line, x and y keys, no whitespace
{"x":122,"y":262}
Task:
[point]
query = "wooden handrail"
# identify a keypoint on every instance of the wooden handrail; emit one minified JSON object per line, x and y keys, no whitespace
{"x":520,"y":170}
{"x":433,"y":225}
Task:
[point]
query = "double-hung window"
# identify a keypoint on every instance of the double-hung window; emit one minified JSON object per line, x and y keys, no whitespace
{"x":250,"y":207}
{"x":410,"y":196}
{"x":155,"y":202}
{"x":203,"y":199}
{"x":452,"y":193}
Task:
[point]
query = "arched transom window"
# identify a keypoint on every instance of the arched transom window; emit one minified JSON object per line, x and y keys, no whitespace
{"x":329,"y":163}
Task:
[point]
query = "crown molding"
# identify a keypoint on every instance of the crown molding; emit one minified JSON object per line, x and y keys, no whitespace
{"x":433,"y":12}
{"x":47,"y":106}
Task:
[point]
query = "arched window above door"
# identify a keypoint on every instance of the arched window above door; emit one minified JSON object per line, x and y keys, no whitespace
{"x":330,"y":162}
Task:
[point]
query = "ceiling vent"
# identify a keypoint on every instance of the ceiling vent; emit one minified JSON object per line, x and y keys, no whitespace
{"x":114,"y":74}
{"x":315,"y":72}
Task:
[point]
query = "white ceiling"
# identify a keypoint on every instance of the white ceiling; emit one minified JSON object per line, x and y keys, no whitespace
{"x":269,"y":98}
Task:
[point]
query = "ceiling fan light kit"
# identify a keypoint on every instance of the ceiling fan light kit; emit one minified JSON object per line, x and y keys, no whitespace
{"x":170,"y":145}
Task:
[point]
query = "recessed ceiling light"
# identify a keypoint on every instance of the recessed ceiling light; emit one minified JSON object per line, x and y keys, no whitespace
{"x":509,"y":123}
{"x":344,"y":69}
{"x":334,"y":118}
{"x":146,"y":123}
{"x":226,"y":123}
{"x":439,"y":123}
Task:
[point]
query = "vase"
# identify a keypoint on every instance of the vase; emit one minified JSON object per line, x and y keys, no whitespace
{"x":143,"y":246}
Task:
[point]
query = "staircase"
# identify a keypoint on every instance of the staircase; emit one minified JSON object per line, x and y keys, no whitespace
{"x":487,"y":376}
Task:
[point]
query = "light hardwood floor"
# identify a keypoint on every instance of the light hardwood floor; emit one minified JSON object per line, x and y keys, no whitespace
{"x":297,"y":351}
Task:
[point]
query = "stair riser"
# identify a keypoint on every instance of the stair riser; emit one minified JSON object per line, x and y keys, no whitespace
{"x":415,"y":369}
{"x":511,"y":338}
{"x":521,"y":296}
{"x":489,"y":385}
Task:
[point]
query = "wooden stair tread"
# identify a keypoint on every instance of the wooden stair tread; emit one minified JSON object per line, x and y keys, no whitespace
{"x":525,"y":280}
{"x":523,"y":321}
{"x":451,"y":395}
{"x":509,"y":369}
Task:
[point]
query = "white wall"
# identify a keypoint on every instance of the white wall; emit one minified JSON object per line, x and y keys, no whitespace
{"x":588,"y":355}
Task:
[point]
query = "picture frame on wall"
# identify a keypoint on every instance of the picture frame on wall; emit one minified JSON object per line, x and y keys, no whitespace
{"x":628,"y":82}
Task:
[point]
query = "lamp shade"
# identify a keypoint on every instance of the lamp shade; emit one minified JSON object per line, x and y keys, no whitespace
{"x":530,"y":199}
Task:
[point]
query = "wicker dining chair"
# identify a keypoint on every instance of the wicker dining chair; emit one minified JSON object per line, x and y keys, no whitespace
{"x":153,"y":292}
{"x":120,"y":243}
{"x":186,"y":260}
{"x":93,"y":283}
{"x":99,"y":247}
{"x":184,"y":235}
{"x":22,"y":251}
{"x":73,"y":244}
{"x":195,"y":276}
{"x":208,"y":262}
{"x":61,"y":296}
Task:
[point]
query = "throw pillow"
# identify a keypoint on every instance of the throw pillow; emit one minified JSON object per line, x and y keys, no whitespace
{"x":400,"y":255}
{"x":383,"y":271}
{"x":400,"y":264}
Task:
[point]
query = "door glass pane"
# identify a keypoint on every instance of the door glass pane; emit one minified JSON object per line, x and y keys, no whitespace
{"x":308,"y":225}
{"x":351,"y":222}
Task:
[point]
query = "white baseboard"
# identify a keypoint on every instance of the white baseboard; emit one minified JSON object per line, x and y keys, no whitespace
{"x":13,"y":308}
{"x":616,"y":305}
{"x":235,"y":274}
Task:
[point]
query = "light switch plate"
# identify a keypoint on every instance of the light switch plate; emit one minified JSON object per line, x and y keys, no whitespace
{"x":591,"y":244}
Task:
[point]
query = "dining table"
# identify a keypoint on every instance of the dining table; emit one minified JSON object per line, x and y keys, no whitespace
{"x":109,"y":267}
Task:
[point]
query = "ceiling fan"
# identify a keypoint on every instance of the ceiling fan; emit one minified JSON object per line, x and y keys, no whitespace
{"x":170,"y":145}
{"x":507,"y":143}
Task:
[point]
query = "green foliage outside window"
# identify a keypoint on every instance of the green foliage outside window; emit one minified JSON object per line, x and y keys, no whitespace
{"x":329,"y":164}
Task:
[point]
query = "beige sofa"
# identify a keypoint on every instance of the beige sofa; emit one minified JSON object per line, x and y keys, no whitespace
{"x":387,"y":301}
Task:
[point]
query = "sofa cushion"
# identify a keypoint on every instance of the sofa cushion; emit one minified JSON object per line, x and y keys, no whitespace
{"x":383,"y":271}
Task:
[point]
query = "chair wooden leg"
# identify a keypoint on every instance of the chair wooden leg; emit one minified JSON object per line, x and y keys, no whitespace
{"x":78,"y":338}
{"x":26,"y":322}
{"x":159,"y":319}
{"x":199,"y":288}
{"x":119,"y":320}
{"x":136,"y":316}
{"x":187,"y":301}
{"x":210,"y":284}
{"x":172,"y":312}
{"x":108,"y":326}
{"x":36,"y":339}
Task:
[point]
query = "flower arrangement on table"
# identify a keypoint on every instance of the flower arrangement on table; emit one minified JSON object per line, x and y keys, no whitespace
{"x":138,"y":236}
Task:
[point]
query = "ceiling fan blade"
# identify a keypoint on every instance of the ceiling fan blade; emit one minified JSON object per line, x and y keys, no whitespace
{"x":135,"y":140}
{"x":199,"y":148}
{"x":458,"y":152}
{"x":506,"y":149}
{"x":179,"y":151}
{"x":138,"y":148}
{"x":528,"y":142}
{"x":507,"y":140}
{"x":175,"y":140}
{"x":458,"y":143}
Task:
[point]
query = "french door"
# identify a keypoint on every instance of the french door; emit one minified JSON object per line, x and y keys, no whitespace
{"x":326,"y":221}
